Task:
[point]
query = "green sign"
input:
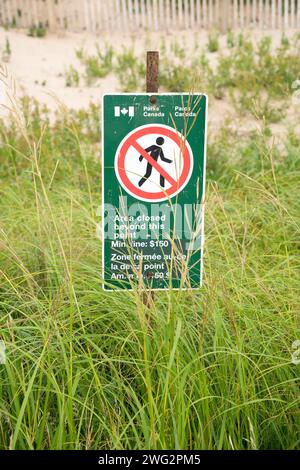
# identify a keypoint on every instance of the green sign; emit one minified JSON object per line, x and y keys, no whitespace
{"x":153,"y":171}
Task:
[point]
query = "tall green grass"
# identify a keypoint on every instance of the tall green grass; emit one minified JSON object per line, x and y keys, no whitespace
{"x":87,"y":369}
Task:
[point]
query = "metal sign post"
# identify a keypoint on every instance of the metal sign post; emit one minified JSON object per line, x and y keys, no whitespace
{"x":151,"y":87}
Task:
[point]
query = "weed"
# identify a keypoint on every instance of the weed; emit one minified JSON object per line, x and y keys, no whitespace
{"x":98,"y":65}
{"x":130,"y":70}
{"x":245,"y":75}
{"x":37,"y":31}
{"x":6,"y":54}
{"x":82,"y":370}
{"x":231,"y":41}
{"x":72,"y":77}
{"x":213,"y":42}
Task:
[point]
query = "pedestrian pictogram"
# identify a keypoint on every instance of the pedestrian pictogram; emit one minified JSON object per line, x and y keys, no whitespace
{"x":155,"y":151}
{"x":154,"y":162}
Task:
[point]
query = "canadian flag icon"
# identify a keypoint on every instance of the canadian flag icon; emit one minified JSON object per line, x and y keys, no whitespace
{"x":124,"y":111}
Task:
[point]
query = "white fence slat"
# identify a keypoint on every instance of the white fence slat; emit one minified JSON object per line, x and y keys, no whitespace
{"x":124,"y":15}
{"x":174,"y":14}
{"x":13,"y":12}
{"x":279,"y":14}
{"x":160,"y":13}
{"x":192,"y":14}
{"x":74,"y":15}
{"x":30,"y":10}
{"x":118,"y":20}
{"x":218,"y":15}
{"x":247,"y":14}
{"x":293,"y":16}
{"x":21,"y":9}
{"x":186,"y":15}
{"x":4,"y":15}
{"x":105,"y":15}
{"x":91,"y":20}
{"x":59,"y":10}
{"x":235,"y":14}
{"x":180,"y":14}
{"x":266,"y":11}
{"x":253,"y":13}
{"x":68,"y":14}
{"x":266,"y":14}
{"x":136,"y":14}
{"x":143,"y":15}
{"x":269,"y":14}
{"x":148,"y":15}
{"x":260,"y":14}
{"x":273,"y":15}
{"x":167,"y":14}
{"x":25,"y":12}
{"x":86,"y":15}
{"x":204,"y":13}
{"x":18,"y":13}
{"x":242,"y":14}
{"x":35,"y":12}
{"x":8,"y":12}
{"x":64,"y":15}
{"x":210,"y":14}
{"x":41,"y":13}
{"x":97,"y":17}
{"x":43,"y":19}
{"x":130,"y":15}
{"x":111,"y":15}
{"x":14,"y":15}
{"x":155,"y":15}
{"x":80,"y":15}
{"x":91,"y":14}
{"x":198,"y":13}
{"x":286,"y":14}
{"x":228,"y":20}
{"x":1,"y":13}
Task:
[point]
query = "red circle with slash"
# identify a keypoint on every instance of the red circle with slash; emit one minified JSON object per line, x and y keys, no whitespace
{"x":131,"y":141}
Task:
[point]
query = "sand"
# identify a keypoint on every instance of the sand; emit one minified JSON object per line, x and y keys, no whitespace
{"x":37,"y":65}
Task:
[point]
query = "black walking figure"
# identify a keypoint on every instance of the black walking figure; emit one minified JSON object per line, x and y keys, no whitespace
{"x":155,"y":151}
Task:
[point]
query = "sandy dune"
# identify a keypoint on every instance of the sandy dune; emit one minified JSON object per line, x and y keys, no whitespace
{"x":38,"y":65}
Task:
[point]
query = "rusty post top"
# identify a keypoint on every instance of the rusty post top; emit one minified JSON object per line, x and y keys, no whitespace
{"x":152,"y":71}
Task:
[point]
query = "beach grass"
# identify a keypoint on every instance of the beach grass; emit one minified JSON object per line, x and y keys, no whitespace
{"x":87,"y":369}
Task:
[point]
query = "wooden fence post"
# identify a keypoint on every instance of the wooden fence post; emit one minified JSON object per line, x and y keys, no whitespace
{"x":152,"y":72}
{"x":151,"y":87}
